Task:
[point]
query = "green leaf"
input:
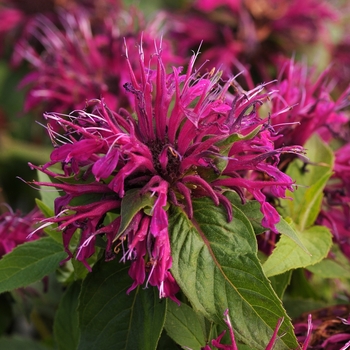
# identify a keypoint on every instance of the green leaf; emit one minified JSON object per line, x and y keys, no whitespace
{"x":66,"y":329}
{"x":328,"y":268}
{"x":251,"y":210}
{"x":226,"y":144}
{"x":165,"y":342}
{"x":111,"y":319}
{"x":302,"y":287}
{"x":132,"y":203}
{"x":184,"y":326}
{"x":285,"y":227}
{"x":51,"y":230}
{"x":281,"y":282}
{"x":337,"y":267}
{"x":48,"y":212}
{"x":288,"y":255}
{"x":48,"y":195}
{"x":216,"y":265}
{"x":311,"y":180}
{"x":19,"y":343}
{"x":298,"y":306}
{"x":29,"y":262}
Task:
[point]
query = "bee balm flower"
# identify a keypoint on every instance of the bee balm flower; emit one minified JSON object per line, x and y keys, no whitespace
{"x":186,"y":138}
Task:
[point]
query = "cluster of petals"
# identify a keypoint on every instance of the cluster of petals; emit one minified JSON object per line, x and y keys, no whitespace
{"x":16,"y":228}
{"x":187,"y":137}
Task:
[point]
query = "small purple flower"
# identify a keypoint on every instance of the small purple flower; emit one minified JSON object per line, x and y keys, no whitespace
{"x":16,"y":228}
{"x":187,"y":137}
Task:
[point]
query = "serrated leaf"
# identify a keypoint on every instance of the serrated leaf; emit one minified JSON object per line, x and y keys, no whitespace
{"x":251,"y":210}
{"x":66,"y":330}
{"x":288,"y":255}
{"x":184,"y":326}
{"x":111,"y":319}
{"x":311,"y":180}
{"x":29,"y":262}
{"x":216,"y":265}
{"x":132,"y":202}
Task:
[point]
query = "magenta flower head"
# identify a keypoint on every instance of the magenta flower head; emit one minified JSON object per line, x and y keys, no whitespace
{"x":251,"y":32}
{"x":186,"y":137}
{"x":17,"y":17}
{"x":308,"y":105}
{"x":84,"y":60}
{"x":16,"y":228}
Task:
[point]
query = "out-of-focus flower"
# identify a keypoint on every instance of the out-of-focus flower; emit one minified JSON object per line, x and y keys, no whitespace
{"x":307,"y":102}
{"x":303,"y":105}
{"x":251,"y":32}
{"x":210,"y":5}
{"x":341,"y":62}
{"x":187,"y":138}
{"x":16,"y":16}
{"x":16,"y":228}
{"x":84,"y":60}
{"x":335,"y":213}
{"x":330,"y":328}
{"x":321,"y":329}
{"x":216,"y":343}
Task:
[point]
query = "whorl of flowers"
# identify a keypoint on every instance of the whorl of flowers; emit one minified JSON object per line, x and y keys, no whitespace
{"x":186,"y":138}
